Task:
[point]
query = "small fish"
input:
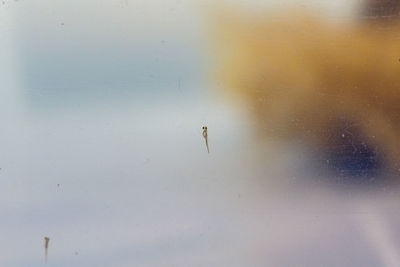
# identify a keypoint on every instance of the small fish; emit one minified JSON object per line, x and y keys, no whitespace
{"x":205,"y":135}
{"x":46,"y":247}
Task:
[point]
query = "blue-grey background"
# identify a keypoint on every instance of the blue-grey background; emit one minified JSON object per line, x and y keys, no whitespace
{"x":101,"y":149}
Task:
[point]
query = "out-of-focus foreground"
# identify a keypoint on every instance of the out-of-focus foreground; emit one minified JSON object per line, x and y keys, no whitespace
{"x":331,"y":86}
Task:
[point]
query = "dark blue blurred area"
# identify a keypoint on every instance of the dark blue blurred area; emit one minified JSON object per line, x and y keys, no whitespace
{"x":358,"y":165}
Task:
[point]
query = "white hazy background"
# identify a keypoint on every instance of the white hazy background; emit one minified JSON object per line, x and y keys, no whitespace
{"x":101,"y":149}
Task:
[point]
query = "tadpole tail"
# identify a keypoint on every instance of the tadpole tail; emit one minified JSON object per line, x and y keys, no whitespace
{"x":46,"y":248}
